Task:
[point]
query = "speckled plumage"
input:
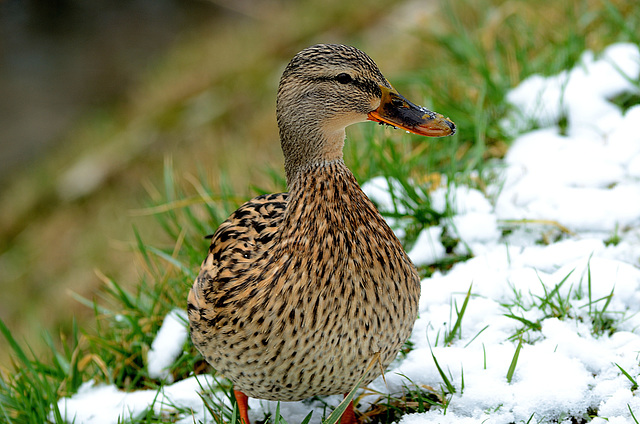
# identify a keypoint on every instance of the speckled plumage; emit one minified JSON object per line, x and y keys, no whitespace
{"x":301,"y":289}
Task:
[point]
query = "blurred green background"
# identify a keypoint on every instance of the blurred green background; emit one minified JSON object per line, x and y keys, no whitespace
{"x":96,"y":97}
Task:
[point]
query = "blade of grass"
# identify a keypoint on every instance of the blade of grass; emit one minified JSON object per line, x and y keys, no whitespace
{"x":456,"y":326}
{"x":484,"y":359}
{"x":173,"y":261}
{"x":307,"y":418}
{"x":532,"y":325}
{"x":335,"y":416}
{"x":476,"y":336}
{"x":589,"y":282}
{"x":278,"y":418}
{"x":450,"y":387}
{"x":634,"y":383}
{"x":461,"y":379}
{"x":632,"y":414}
{"x":514,"y":362}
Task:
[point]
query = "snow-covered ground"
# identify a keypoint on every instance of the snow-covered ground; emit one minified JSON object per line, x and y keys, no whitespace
{"x":579,"y":191}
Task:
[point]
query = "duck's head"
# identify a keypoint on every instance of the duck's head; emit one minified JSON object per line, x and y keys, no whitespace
{"x":327,"y":87}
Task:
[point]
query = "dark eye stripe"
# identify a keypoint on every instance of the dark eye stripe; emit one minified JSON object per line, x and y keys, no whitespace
{"x":366,"y":85}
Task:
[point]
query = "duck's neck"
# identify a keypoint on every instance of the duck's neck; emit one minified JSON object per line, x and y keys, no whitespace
{"x":308,"y":149}
{"x":322,"y":196}
{"x":319,"y":176}
{"x":326,"y":207}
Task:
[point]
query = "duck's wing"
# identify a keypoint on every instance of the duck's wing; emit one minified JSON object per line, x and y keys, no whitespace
{"x":244,"y":238}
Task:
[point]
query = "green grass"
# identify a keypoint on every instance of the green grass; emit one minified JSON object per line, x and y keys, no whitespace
{"x":415,"y":399}
{"x":514,"y":362}
{"x":555,"y":304}
{"x":456,"y":330}
{"x":461,"y":66}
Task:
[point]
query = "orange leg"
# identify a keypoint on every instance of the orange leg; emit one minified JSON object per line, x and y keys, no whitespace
{"x":243,"y":406}
{"x":349,"y":415}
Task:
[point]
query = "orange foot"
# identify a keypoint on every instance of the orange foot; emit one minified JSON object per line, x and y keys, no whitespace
{"x":349,"y":415}
{"x":243,"y":406}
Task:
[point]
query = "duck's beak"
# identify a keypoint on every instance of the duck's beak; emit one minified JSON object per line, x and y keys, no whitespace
{"x":399,"y":112}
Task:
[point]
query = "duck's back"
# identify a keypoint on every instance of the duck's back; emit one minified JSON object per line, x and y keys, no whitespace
{"x":300,"y":291}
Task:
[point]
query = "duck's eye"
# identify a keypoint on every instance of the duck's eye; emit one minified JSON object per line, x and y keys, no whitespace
{"x":344,"y":78}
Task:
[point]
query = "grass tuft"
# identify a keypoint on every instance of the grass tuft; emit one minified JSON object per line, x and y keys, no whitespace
{"x":415,"y":399}
{"x":27,"y":395}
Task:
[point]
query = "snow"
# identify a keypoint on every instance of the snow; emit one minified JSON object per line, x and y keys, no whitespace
{"x":428,"y":247}
{"x":541,"y":253}
{"x":167,"y":345}
{"x":105,"y":404}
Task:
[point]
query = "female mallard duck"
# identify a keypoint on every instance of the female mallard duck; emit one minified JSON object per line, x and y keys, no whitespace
{"x":300,"y":290}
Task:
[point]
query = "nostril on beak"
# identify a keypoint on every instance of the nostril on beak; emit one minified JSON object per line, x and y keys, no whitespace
{"x":452,"y":126}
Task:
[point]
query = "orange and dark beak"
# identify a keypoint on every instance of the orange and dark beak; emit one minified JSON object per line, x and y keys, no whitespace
{"x":399,"y":112}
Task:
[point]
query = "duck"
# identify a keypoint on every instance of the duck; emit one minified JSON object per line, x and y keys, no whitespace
{"x":300,"y":290}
